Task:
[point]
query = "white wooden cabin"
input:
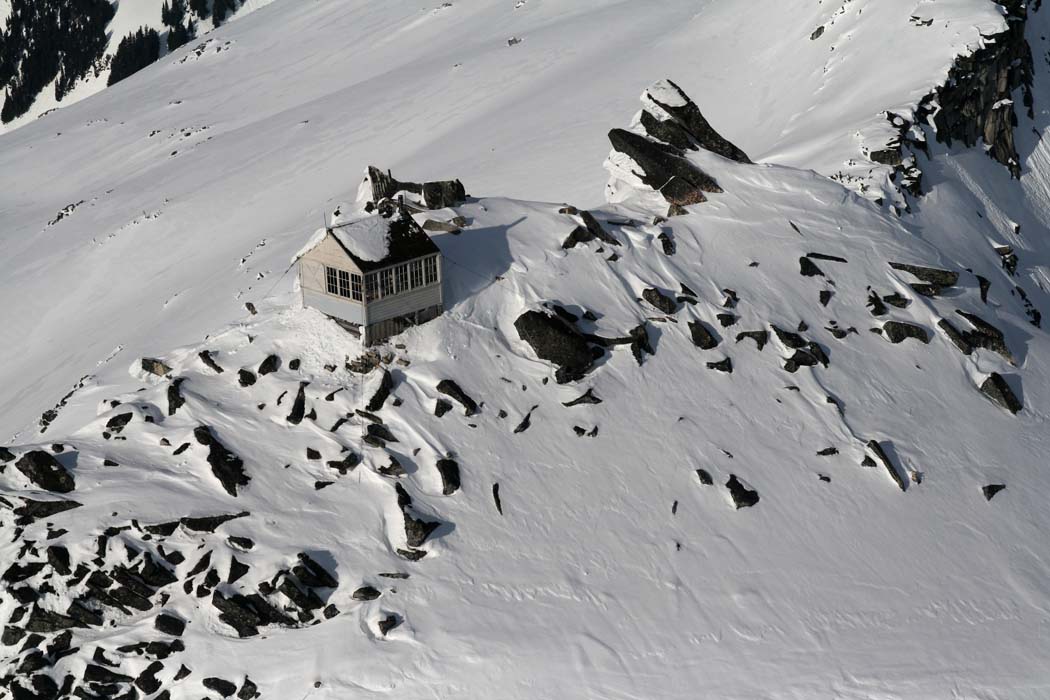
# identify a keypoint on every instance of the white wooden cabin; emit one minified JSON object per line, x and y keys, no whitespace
{"x":378,"y":275}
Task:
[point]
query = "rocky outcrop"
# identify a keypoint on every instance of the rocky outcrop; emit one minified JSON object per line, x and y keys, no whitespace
{"x":975,"y":104}
{"x":678,"y":122}
{"x":44,"y":471}
{"x":996,"y":389}
{"x":436,"y":195}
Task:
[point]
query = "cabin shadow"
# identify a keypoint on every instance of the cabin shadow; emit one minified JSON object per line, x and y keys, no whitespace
{"x":474,"y":259}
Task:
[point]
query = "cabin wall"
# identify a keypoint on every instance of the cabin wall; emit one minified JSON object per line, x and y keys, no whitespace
{"x":404,"y":303}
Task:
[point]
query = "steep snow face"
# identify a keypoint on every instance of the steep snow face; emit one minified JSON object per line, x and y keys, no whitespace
{"x":871,"y":565}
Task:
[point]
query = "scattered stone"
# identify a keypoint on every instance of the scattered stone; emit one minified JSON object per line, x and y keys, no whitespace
{"x":243,"y":543}
{"x":996,"y":388}
{"x":640,"y":344}
{"x":827,"y":452}
{"x":237,"y":570}
{"x":727,"y":320}
{"x":388,"y":623}
{"x":702,"y":336}
{"x":312,"y":574}
{"x":452,"y":390}
{"x":209,"y":523}
{"x":345,"y":465}
{"x":958,"y":338}
{"x":206,"y":358}
{"x":588,"y":397}
{"x":496,"y":498}
{"x":155,"y":366}
{"x":990,"y":490}
{"x":825,"y":296}
{"x":898,"y":331}
{"x":898,"y":300}
{"x":664,"y":169}
{"x":725,"y":365}
{"x":45,"y":471}
{"x":667,"y":243}
{"x":227,"y":467}
{"x":441,"y":407}
{"x":525,"y":423}
{"x":875,"y":303}
{"x":249,"y":690}
{"x":705,"y":477}
{"x":985,"y":335}
{"x":299,"y":406}
{"x":417,"y":531}
{"x":245,"y":377}
{"x":743,"y":497}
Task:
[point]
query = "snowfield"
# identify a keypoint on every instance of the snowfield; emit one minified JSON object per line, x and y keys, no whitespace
{"x":777,"y":478}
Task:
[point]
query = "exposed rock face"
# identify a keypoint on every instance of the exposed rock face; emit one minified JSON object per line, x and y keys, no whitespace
{"x":154,"y":366}
{"x":996,"y":388}
{"x":686,"y":127}
{"x":44,"y":471}
{"x":556,"y":341}
{"x":975,"y":103}
{"x":436,"y":195}
{"x":665,"y":169}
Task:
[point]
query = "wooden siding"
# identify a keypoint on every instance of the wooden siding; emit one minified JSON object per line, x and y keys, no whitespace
{"x":339,"y":307}
{"x":404,"y":303}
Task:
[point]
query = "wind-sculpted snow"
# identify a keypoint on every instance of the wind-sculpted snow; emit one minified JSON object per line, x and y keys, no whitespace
{"x":773,"y":477}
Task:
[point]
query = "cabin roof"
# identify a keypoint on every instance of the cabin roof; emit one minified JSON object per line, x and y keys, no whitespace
{"x":377,"y":241}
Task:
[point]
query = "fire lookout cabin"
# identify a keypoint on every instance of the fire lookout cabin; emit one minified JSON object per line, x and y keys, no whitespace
{"x":376,"y":276}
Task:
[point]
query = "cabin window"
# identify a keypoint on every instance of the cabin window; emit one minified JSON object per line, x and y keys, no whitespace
{"x":355,"y":287}
{"x":415,"y":272}
{"x":430,"y":269}
{"x":386,"y":283}
{"x":401,"y":278}
{"x":370,"y":288}
{"x":337,"y":282}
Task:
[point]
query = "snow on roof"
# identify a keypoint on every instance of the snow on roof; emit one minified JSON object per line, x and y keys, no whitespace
{"x":367,"y":239}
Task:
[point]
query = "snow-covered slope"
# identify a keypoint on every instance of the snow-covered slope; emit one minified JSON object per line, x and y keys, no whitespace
{"x":607,"y":567}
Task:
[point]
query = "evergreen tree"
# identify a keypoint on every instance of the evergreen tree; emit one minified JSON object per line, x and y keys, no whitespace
{"x":200,"y":8}
{"x":222,"y":9}
{"x":135,"y":52}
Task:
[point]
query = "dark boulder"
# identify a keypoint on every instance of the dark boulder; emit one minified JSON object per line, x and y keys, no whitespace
{"x":930,"y":275}
{"x":743,"y":497}
{"x":441,"y":407}
{"x":958,"y":339}
{"x":366,"y":593}
{"x":388,"y":623}
{"x":227,"y":467}
{"x":899,"y":331}
{"x":270,"y":365}
{"x":209,"y":523}
{"x":705,"y":477}
{"x":640,"y":343}
{"x":452,"y":390}
{"x":588,"y":397}
{"x":985,"y":335}
{"x":725,"y":365}
{"x":245,"y":377}
{"x":760,"y":337}
{"x":556,"y":341}
{"x":206,"y":357}
{"x":44,"y":471}
{"x":702,"y":336}
{"x":417,"y":531}
{"x":169,"y":624}
{"x":808,"y":268}
{"x":175,"y":398}
{"x":386,"y":384}
{"x":449,"y":471}
{"x":990,"y":490}
{"x":299,"y":405}
{"x":221,"y":686}
{"x":155,"y":366}
{"x":895,"y":474}
{"x":661,"y":301}
{"x":790,"y":339}
{"x":312,"y":574}
{"x":996,"y":388}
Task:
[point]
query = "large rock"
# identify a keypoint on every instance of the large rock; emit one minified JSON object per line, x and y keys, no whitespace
{"x":743,"y":497}
{"x":664,"y":168}
{"x":452,"y":390}
{"x":661,"y":301}
{"x":556,"y":341}
{"x":899,"y":331}
{"x":45,"y":471}
{"x":227,"y":467}
{"x":996,"y":388}
{"x":686,"y":122}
